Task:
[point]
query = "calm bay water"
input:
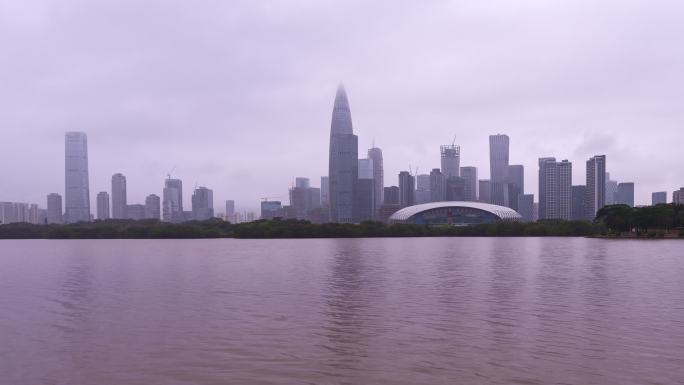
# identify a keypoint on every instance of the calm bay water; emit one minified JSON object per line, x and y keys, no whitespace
{"x":354,"y":311}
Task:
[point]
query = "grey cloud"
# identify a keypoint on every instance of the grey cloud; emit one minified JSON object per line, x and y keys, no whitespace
{"x":238,"y":94}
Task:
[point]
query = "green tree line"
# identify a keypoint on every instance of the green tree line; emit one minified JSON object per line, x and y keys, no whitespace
{"x":290,"y":228}
{"x":623,"y":218}
{"x":610,"y":221}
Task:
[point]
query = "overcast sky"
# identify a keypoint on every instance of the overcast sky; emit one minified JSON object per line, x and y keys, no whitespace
{"x":238,"y":95}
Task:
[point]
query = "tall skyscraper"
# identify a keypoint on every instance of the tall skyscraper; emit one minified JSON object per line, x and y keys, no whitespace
{"x":378,"y":174}
{"x":423,"y":193}
{"x":437,"y":186}
{"x":498,"y":166}
{"x":119,"y":200}
{"x":450,"y":160}
{"x":407,"y":189}
{"x":172,"y":201}
{"x":343,"y":161}
{"x":485,"y":191}
{"x":579,"y":203}
{"x":469,"y":174}
{"x":565,"y":190}
{"x":203,"y":203}
{"x":547,"y":185}
{"x":596,"y":185}
{"x":54,"y":208}
{"x":325,"y":191}
{"x":103,"y":205}
{"x":77,"y":191}
{"x":516,"y":175}
{"x":152,"y":207}
{"x":625,"y":194}
{"x":515,"y":185}
{"x":364,"y":201}
{"x":555,"y":189}
{"x":659,"y":197}
{"x":611,"y":190}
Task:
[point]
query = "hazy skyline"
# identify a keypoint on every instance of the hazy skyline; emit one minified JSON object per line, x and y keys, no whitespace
{"x":238,"y":95}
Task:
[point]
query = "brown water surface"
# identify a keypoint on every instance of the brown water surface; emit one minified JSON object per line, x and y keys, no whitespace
{"x":351,"y":311}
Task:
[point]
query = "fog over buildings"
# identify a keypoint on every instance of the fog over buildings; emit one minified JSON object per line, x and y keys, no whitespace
{"x":237,"y":95}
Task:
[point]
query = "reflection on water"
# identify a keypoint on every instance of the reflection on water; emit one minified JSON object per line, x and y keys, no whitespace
{"x":342,"y":311}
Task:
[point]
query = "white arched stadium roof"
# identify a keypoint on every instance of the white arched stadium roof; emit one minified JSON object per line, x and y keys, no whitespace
{"x":505,"y":213}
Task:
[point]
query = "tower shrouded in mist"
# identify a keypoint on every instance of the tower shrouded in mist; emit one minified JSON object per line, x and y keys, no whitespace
{"x":343,"y":161}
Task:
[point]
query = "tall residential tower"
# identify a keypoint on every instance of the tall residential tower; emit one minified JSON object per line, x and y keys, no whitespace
{"x":596,"y":185}
{"x":555,"y":189}
{"x":103,"y":205}
{"x":119,"y":201}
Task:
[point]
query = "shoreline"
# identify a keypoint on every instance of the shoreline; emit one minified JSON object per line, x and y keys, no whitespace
{"x":299,"y":229}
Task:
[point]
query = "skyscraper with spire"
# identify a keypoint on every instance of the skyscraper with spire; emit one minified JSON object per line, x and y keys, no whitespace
{"x":343,"y":162}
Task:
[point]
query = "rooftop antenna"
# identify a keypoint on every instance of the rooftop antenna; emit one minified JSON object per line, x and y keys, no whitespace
{"x":453,"y":142}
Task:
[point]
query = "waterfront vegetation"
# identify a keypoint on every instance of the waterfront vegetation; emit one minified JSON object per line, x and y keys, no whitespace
{"x":287,"y":228}
{"x":659,"y":221}
{"x":612,"y":221}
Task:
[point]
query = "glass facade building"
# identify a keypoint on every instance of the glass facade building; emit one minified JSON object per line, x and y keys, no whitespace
{"x":77,"y":191}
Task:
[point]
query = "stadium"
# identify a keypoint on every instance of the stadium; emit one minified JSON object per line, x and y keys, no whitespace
{"x":454,"y":214}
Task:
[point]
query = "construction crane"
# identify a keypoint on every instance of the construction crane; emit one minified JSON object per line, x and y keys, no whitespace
{"x":171,"y":172}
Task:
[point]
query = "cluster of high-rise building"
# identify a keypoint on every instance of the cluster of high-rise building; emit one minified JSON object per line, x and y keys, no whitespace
{"x":13,"y":212}
{"x":75,"y":207}
{"x":354,"y":189}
